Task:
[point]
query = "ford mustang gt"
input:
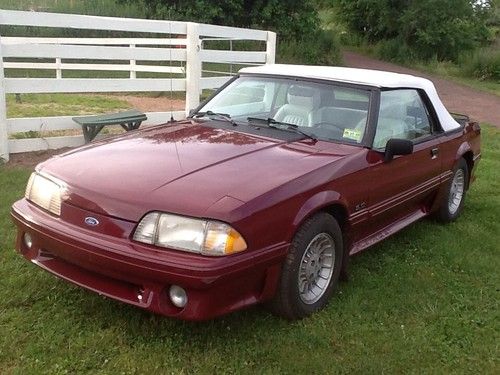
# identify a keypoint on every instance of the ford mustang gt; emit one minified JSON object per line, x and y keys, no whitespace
{"x":261,"y":195}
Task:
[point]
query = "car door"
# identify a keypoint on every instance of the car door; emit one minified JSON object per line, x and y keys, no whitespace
{"x":403,"y":187}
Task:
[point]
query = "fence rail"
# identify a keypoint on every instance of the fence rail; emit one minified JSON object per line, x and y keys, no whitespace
{"x":177,"y":63}
{"x":97,"y":41}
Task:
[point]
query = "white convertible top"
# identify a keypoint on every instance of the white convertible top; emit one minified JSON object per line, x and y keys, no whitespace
{"x":367,"y":77}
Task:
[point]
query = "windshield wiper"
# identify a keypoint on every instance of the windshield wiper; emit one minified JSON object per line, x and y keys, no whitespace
{"x":217,"y":115}
{"x":272,"y":123}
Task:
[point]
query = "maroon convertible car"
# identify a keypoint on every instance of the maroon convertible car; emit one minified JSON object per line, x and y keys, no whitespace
{"x":261,"y":195}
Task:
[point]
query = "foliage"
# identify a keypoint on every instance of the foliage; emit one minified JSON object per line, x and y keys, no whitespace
{"x":322,"y":48}
{"x":419,"y":28}
{"x":300,"y":40}
{"x":292,"y":19}
{"x":482,"y":64}
{"x":89,"y":7}
{"x":423,"y":301}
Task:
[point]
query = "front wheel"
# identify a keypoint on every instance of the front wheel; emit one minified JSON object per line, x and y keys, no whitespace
{"x":311,"y":269}
{"x":453,"y":201}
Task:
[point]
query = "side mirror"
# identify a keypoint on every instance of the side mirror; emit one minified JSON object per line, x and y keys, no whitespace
{"x":397,"y":146}
{"x":191,"y":112}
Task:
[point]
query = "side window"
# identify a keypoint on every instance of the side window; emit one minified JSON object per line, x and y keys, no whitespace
{"x":402,"y":115}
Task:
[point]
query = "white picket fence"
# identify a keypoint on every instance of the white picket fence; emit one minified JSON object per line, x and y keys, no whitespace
{"x":180,"y":53}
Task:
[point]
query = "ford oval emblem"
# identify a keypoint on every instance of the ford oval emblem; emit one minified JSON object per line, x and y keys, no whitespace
{"x":91,"y":221}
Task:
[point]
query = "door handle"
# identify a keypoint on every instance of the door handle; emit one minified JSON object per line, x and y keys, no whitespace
{"x":434,"y":153}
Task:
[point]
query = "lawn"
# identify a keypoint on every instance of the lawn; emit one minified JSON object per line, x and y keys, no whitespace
{"x":42,"y":105}
{"x":426,"y":300}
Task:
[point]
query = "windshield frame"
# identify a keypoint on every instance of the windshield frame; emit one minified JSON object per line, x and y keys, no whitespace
{"x":373,"y":102}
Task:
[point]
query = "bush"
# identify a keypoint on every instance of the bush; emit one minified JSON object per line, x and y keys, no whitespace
{"x":483,"y":65}
{"x":426,"y":28}
{"x":394,"y":50}
{"x":291,"y":19}
{"x":321,"y":48}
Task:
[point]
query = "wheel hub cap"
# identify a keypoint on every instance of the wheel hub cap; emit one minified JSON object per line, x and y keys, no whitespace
{"x":456,"y":191}
{"x":316,"y":268}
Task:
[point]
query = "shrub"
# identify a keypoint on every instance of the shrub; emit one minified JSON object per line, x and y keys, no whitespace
{"x":394,"y":50}
{"x":429,"y":28}
{"x":321,"y":48}
{"x":483,"y":64}
{"x":291,"y":19}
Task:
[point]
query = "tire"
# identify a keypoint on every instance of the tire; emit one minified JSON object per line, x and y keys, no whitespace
{"x":452,"y":202}
{"x":314,"y":262}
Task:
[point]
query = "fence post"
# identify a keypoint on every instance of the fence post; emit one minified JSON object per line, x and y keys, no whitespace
{"x":271,"y":47}
{"x":133,"y":73}
{"x":58,"y":68}
{"x":193,"y":66}
{"x":4,"y":136}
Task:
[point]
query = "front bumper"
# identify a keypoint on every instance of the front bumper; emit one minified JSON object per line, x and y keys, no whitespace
{"x":140,"y":275}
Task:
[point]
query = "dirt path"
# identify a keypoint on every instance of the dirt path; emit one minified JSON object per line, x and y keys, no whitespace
{"x":480,"y":106}
{"x":151,"y":104}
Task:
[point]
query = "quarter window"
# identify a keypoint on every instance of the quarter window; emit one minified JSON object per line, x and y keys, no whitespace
{"x":402,"y":115}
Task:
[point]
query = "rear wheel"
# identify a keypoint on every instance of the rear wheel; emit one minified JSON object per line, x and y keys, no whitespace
{"x":311,"y":269}
{"x":452,"y":203}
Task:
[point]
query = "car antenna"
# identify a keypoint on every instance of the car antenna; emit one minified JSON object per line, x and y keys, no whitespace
{"x":170,"y":63}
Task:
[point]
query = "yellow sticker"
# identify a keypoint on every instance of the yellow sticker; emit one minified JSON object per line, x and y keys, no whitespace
{"x":352,"y":134}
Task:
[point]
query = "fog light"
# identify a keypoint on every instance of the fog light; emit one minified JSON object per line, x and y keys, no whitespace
{"x":28,"y":241}
{"x":178,"y":296}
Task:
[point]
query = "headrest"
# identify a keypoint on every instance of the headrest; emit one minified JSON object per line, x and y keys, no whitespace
{"x":303,"y":96}
{"x":327,"y":97}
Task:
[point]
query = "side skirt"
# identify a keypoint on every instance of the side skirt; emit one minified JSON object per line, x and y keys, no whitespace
{"x":387,"y":231}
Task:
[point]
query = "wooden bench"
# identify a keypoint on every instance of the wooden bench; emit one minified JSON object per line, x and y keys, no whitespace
{"x":92,"y":125}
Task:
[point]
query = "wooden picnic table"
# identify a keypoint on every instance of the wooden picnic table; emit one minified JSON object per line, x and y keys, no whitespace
{"x":92,"y":125}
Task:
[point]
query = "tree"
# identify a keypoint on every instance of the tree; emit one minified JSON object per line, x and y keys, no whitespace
{"x":292,"y":19}
{"x":422,"y":28}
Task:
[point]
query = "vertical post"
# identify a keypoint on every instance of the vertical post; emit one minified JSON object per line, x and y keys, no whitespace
{"x":133,"y":74}
{"x":271,"y":47}
{"x":231,"y":49}
{"x":58,"y":68}
{"x":4,"y":136}
{"x":193,"y":66}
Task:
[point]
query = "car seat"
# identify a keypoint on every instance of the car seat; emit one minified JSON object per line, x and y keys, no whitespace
{"x":302,"y":101}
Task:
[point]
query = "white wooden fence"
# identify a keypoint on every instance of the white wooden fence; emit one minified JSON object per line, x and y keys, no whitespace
{"x":179,"y":57}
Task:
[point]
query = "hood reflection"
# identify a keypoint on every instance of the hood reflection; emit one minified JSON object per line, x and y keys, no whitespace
{"x":200,"y":134}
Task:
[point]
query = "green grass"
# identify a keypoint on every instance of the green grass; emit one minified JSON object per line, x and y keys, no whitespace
{"x":455,"y":73}
{"x":41,"y":105}
{"x":426,"y":300}
{"x":44,"y":105}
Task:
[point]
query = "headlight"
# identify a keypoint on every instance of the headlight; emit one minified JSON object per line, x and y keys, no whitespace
{"x":45,"y":193}
{"x":183,"y":233}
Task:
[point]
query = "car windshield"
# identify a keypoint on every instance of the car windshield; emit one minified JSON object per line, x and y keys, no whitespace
{"x":325,"y":111}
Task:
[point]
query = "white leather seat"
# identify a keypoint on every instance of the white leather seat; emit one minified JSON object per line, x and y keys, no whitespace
{"x":346,"y":117}
{"x":302,"y":101}
{"x":391,"y":124}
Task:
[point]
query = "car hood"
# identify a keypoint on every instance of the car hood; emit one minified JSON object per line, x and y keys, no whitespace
{"x":185,"y":168}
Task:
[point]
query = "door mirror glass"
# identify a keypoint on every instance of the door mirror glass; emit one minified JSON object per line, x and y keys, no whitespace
{"x":396,"y":146}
